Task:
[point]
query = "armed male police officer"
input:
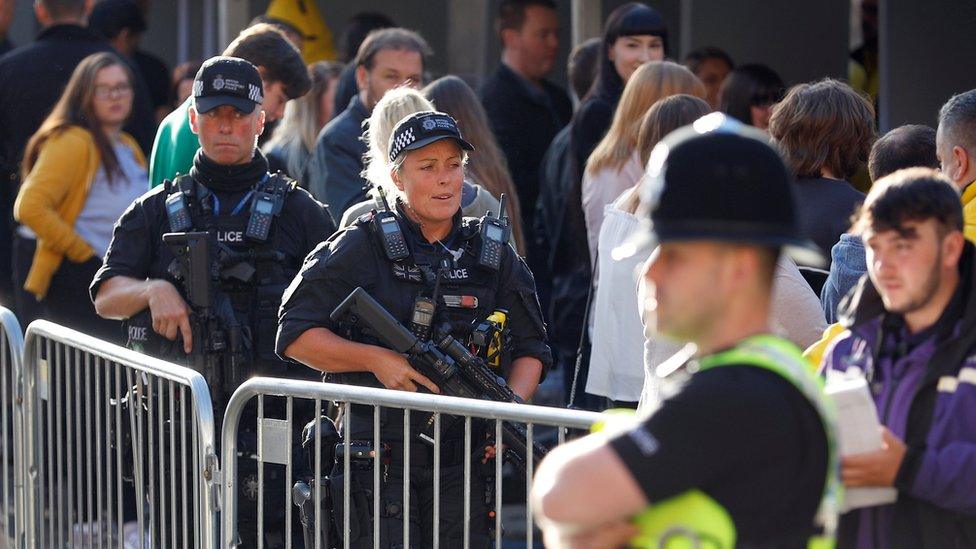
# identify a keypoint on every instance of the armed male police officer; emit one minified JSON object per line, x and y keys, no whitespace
{"x":260,"y":225}
{"x":428,"y":267}
{"x":230,"y":217}
{"x":741,"y":455}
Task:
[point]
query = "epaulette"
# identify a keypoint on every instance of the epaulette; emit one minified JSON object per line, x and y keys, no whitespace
{"x":179,"y":181}
{"x":280,"y":179}
{"x":366,"y":217}
{"x":470,"y":226}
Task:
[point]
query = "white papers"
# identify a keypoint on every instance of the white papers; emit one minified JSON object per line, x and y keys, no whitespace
{"x":858,"y":432}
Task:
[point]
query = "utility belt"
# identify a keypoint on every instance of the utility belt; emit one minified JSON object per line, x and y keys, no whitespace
{"x":391,"y":444}
{"x":362,"y":457}
{"x":422,"y":454}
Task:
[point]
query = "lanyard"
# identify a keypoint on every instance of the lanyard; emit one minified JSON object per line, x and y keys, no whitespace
{"x":237,"y":209}
{"x":240,"y":205}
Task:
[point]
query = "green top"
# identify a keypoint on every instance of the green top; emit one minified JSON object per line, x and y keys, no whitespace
{"x":174,"y":147}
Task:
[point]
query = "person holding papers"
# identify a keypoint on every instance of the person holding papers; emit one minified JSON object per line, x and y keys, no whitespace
{"x":912,"y":333}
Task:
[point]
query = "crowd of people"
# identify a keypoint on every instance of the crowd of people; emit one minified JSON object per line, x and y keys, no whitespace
{"x":779,"y":222}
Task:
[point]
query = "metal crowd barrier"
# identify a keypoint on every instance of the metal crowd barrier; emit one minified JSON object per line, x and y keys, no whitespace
{"x":11,"y":427}
{"x":119,"y":446}
{"x":274,"y":449}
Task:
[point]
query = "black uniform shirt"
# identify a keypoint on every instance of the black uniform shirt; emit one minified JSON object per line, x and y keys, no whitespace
{"x":354,"y":257}
{"x":745,"y":437}
{"x":137,"y":248}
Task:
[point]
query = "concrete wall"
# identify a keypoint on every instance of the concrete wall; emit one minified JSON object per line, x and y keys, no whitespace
{"x":804,"y":41}
{"x":162,"y":38}
{"x":927,"y":55}
{"x":800,"y":40}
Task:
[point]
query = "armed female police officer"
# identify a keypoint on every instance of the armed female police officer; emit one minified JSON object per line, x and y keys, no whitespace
{"x":440,"y":256}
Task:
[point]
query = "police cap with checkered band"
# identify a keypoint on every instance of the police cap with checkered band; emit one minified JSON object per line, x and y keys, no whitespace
{"x":423,"y":128}
{"x":227,"y":81}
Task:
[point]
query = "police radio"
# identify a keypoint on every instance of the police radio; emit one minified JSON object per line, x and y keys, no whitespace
{"x":266,"y":204}
{"x":177,"y":213}
{"x":494,"y":237}
{"x":388,"y":229}
{"x":422,"y":317}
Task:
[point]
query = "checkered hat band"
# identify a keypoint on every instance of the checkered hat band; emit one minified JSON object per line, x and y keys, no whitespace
{"x":401,"y":141}
{"x":254,"y":93}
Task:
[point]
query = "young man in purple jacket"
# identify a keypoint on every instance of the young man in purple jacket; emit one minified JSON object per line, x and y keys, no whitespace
{"x":912,"y":332}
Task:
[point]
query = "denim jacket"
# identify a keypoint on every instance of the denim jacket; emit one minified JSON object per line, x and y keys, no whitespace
{"x":847,"y":265}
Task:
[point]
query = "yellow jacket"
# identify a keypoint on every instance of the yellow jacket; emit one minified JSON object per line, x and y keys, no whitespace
{"x":815,"y":353}
{"x":53,"y":195}
{"x":969,"y":211}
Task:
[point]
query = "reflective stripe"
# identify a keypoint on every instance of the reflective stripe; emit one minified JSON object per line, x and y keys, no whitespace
{"x":691,"y":519}
{"x":947,"y":384}
{"x":967,"y":375}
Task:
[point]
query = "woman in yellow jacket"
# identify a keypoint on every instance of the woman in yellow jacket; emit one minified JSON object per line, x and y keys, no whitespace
{"x":80,"y":173}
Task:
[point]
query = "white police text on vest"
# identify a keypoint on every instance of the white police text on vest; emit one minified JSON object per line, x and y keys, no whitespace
{"x":137,"y":333}
{"x":230,"y":236}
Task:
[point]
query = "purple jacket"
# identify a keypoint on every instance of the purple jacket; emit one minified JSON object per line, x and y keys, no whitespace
{"x":924,"y":387}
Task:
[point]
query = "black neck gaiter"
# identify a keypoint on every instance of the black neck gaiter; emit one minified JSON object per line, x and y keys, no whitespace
{"x":233,"y":178}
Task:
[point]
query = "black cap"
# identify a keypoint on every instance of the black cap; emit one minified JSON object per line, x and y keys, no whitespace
{"x":110,"y":17}
{"x":423,"y":128}
{"x":718,"y":179}
{"x":227,"y":81}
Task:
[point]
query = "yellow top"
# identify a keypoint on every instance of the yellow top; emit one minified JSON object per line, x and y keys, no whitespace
{"x":969,"y":211}
{"x":815,"y":353}
{"x":53,"y":195}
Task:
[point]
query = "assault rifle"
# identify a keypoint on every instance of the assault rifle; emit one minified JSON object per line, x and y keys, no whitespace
{"x":220,"y":344}
{"x":446,"y":362}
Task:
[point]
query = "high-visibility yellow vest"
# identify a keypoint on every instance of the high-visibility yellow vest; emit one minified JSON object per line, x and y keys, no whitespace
{"x":695,"y":520}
